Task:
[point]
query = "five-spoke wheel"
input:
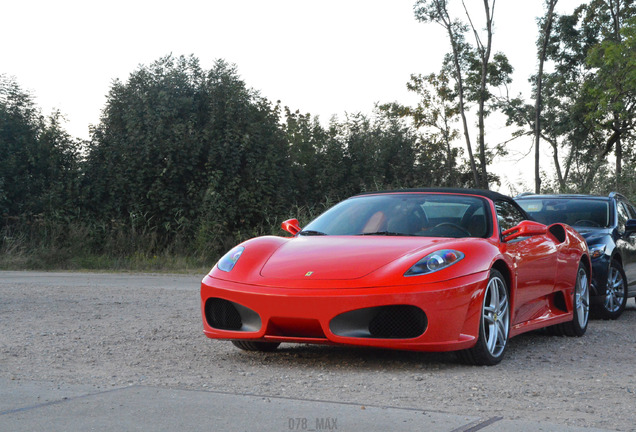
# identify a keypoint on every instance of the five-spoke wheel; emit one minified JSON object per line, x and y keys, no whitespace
{"x":494,"y":325}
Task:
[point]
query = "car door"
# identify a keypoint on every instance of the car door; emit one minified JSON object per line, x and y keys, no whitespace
{"x":534,"y":261}
{"x":626,"y":242}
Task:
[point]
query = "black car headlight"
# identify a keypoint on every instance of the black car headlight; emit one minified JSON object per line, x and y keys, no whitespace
{"x":597,"y":250}
{"x":435,"y":261}
{"x":228,"y":261}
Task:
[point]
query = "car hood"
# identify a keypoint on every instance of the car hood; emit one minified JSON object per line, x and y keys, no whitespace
{"x":341,"y":257}
{"x":592,"y":235}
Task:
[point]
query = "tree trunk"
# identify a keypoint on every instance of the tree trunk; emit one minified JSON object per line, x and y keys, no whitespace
{"x":537,"y":121}
{"x":462,"y":110}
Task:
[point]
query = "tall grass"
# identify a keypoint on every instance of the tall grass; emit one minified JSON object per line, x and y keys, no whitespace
{"x":42,"y":244}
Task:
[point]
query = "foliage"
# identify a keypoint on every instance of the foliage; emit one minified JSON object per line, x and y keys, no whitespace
{"x":187,"y":162}
{"x":475,"y":70}
{"x":588,"y":107}
{"x":38,"y":159}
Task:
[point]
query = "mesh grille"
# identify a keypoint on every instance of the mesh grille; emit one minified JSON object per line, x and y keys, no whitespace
{"x":222,"y":314}
{"x":398,"y":322}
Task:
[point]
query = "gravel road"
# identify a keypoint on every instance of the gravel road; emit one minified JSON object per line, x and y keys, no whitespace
{"x":114,"y":330}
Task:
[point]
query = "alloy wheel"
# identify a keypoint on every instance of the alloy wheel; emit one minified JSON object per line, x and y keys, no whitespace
{"x":496,"y":322}
{"x":582,"y":298}
{"x":615,"y":290}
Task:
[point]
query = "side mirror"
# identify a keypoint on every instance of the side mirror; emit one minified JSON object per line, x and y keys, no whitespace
{"x":524,"y":229}
{"x":291,"y":226}
{"x":630,"y":226}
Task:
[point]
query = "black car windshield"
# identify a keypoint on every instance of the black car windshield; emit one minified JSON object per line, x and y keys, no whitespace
{"x":577,"y":212}
{"x":429,"y":215}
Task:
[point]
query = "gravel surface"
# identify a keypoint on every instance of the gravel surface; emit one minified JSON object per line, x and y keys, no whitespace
{"x":112,"y":330}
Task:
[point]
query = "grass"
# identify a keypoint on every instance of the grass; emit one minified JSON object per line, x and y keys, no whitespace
{"x":76,"y":248}
{"x":50,"y":261}
{"x":40,"y":244}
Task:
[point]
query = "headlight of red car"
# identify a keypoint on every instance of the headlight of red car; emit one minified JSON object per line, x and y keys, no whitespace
{"x":435,"y":261}
{"x":228,"y":261}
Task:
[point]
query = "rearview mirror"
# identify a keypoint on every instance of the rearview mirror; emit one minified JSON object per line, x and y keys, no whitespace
{"x":524,"y":229}
{"x":291,"y":226}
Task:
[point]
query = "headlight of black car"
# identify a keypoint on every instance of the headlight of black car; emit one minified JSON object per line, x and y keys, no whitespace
{"x":597,"y":250}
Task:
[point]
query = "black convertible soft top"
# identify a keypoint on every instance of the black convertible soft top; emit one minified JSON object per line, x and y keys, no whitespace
{"x":478,"y":192}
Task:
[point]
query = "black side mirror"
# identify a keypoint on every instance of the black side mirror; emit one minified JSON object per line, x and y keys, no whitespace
{"x":630,"y":226}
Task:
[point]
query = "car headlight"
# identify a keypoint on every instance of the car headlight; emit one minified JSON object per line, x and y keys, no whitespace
{"x":597,"y":250}
{"x":229,"y":260}
{"x":435,"y":261}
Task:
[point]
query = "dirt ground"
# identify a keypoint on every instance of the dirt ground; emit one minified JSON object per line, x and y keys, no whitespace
{"x":111,"y":330}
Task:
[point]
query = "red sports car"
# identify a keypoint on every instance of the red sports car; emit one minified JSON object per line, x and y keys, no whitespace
{"x":426,"y":270}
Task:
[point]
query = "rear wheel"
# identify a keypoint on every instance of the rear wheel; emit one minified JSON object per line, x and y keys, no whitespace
{"x":615,"y":298}
{"x":255,"y":346}
{"x":581,"y":306}
{"x":494,"y":324}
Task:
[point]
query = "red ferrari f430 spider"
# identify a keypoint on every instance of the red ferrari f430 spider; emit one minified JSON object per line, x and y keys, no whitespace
{"x":425,"y":270}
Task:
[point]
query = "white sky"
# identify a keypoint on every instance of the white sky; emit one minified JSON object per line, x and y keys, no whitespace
{"x":323,"y":57}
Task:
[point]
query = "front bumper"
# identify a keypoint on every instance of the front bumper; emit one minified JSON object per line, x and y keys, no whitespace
{"x":600,"y":271}
{"x":451,"y":311}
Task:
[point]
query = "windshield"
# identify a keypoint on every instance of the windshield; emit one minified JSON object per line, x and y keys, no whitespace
{"x":579,"y":212}
{"x":429,"y":215}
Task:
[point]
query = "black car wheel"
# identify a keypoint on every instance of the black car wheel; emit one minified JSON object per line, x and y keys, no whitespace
{"x":615,"y":297}
{"x":255,"y":346}
{"x":494,"y":325}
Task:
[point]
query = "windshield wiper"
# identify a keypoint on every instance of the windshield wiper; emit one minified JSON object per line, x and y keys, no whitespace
{"x":384,"y":233}
{"x":312,"y":233}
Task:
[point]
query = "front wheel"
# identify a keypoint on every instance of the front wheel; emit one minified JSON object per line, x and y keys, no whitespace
{"x":615,"y":297}
{"x":494,"y":324}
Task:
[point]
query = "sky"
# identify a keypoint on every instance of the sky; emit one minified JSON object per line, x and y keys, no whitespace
{"x":324,"y":57}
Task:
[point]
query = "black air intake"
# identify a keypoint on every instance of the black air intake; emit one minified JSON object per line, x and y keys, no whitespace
{"x":381,"y":322}
{"x":222,"y":314}
{"x":398,"y":322}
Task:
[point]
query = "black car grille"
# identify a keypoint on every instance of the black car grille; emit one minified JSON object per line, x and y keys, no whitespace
{"x":222,"y":314}
{"x":398,"y":322}
{"x":381,"y":322}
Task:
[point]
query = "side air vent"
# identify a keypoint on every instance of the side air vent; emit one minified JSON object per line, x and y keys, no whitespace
{"x":558,"y":232}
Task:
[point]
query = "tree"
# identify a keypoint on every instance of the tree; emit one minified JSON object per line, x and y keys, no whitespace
{"x":586,"y":104}
{"x":613,"y":89}
{"x":544,"y":39}
{"x":600,"y":112}
{"x":145,"y":155}
{"x":474,"y":69}
{"x":38,"y":159}
{"x":436,"y":11}
{"x":181,"y":152}
{"x":434,"y":116}
{"x":484,"y":52}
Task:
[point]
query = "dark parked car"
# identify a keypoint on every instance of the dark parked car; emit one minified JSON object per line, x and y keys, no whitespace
{"x":608,"y":224}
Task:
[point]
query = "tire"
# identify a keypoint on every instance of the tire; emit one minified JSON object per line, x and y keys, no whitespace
{"x":615,"y":297}
{"x":494,"y":324}
{"x":580,"y":306}
{"x":255,"y":346}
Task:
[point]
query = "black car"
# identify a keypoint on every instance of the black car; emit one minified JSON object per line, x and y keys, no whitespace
{"x":608,"y":224}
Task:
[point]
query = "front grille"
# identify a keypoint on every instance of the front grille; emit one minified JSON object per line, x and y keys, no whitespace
{"x":398,"y":322}
{"x":222,"y":314}
{"x":381,"y":322}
